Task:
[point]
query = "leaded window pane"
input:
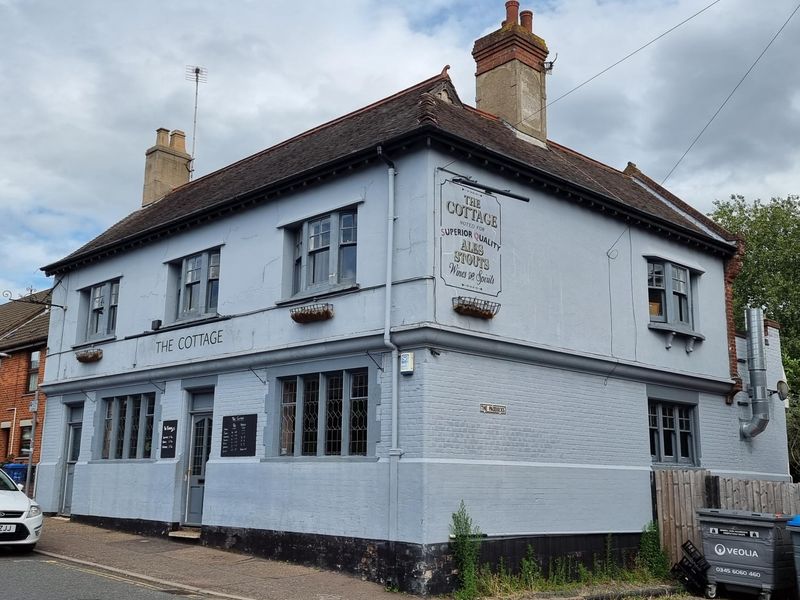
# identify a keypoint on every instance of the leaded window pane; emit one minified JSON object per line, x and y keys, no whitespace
{"x":310,"y":415}
{"x":107,"y":427}
{"x":288,"y":404}
{"x":198,"y":447}
{"x":358,"y":413}
{"x":133,"y":441}
{"x":123,"y":433}
{"x":121,"y":420}
{"x":333,"y":411}
{"x":148,"y":432}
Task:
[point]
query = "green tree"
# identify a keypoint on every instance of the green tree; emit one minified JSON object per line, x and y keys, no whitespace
{"x":770,"y":278}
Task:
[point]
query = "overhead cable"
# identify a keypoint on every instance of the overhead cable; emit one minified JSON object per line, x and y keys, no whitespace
{"x":621,"y":60}
{"x":733,"y":91}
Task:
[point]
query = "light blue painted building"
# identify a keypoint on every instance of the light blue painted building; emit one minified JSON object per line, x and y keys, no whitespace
{"x":318,"y":352}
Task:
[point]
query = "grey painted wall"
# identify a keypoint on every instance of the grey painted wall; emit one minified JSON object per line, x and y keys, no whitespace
{"x":570,"y":455}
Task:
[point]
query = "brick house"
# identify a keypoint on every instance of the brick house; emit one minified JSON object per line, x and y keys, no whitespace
{"x":24,"y":325}
{"x":317,"y":352}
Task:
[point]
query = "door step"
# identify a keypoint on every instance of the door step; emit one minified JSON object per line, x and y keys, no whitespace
{"x":190,"y":535}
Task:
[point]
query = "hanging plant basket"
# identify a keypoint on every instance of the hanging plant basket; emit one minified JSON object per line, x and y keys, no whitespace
{"x":89,"y":355}
{"x":311,"y":313}
{"x":475,"y":307}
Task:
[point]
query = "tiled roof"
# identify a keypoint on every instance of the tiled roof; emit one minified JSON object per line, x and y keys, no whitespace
{"x":22,"y":322}
{"x":418,"y":110}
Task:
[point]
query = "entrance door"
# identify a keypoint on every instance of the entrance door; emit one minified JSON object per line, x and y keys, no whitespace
{"x":200,"y":448}
{"x":74,"y":427}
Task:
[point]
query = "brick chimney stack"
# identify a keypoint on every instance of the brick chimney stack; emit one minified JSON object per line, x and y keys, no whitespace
{"x":166,"y":165}
{"x":510,"y":75}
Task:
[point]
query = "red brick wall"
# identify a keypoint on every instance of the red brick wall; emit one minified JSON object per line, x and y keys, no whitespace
{"x":733,"y":267}
{"x":14,"y":394}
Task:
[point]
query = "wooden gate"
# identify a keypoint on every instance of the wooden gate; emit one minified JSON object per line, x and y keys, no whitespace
{"x":680,"y":493}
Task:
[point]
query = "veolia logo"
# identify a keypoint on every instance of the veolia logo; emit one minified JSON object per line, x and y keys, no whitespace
{"x":723,"y":550}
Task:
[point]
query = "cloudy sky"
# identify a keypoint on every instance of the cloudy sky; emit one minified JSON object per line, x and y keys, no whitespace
{"x":84,"y":84}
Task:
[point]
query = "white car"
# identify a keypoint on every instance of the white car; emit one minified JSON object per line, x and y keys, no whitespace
{"x":20,"y":517}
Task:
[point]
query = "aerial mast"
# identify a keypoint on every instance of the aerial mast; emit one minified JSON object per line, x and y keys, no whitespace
{"x":198,"y":75}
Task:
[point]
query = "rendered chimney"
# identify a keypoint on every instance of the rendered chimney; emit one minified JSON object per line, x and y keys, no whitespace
{"x":166,"y":165}
{"x":510,"y":75}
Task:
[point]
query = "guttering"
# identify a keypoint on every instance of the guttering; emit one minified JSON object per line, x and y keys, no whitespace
{"x":757,"y":368}
{"x":394,"y":451}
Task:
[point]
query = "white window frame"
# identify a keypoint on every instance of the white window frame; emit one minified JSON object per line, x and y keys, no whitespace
{"x":101,"y":302}
{"x":672,"y":420}
{"x":34,"y":358}
{"x":308,"y":241}
{"x":673,"y":291}
{"x":127,"y":419}
{"x":25,"y":440}
{"x":207,"y":266}
{"x":326,"y":437}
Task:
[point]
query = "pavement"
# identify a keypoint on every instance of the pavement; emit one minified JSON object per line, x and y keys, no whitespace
{"x":181,"y":568}
{"x":197,"y":569}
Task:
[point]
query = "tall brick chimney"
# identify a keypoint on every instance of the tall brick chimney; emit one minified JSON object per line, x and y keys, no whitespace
{"x":166,"y":165}
{"x":510,"y":76}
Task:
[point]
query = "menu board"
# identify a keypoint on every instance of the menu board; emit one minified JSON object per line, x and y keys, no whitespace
{"x":169,"y":436}
{"x":239,"y":435}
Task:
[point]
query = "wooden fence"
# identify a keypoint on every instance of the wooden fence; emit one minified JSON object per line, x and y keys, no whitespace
{"x":679,"y":493}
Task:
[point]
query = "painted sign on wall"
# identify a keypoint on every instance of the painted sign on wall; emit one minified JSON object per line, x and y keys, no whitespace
{"x":469,"y":239}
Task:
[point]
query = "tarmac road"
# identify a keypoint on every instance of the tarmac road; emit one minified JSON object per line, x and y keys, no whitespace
{"x":37,"y":577}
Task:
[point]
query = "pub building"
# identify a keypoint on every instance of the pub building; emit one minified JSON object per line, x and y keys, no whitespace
{"x":316,"y":353}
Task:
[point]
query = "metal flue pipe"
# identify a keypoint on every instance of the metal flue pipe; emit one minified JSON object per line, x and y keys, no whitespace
{"x":757,"y":368}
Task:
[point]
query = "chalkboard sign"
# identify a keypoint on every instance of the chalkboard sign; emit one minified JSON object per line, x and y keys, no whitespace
{"x":169,"y":436}
{"x":239,"y":435}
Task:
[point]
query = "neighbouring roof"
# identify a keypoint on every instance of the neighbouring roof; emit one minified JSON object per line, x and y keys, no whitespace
{"x":430,"y":109}
{"x":24,"y":321}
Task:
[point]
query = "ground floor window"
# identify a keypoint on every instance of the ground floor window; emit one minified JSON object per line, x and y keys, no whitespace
{"x":128,"y":426}
{"x":672,"y":432}
{"x":25,"y":440}
{"x":324,"y":414}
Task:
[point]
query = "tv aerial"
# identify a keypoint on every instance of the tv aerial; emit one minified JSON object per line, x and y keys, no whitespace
{"x":198,"y":75}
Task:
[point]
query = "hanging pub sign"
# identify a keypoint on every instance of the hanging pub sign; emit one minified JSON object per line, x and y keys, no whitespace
{"x":470,"y":239}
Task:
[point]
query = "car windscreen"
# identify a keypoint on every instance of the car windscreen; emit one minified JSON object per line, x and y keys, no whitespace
{"x":6,"y":485}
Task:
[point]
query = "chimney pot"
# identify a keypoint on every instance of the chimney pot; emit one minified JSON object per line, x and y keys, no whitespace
{"x":162,"y":137}
{"x":526,"y":20}
{"x":177,"y":141}
{"x":512,"y":12}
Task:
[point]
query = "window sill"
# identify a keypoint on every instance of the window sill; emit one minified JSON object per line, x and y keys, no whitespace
{"x":672,"y":465}
{"x":320,"y":293}
{"x":95,"y":342}
{"x":670,"y":331}
{"x":118,"y":461}
{"x":321,"y":459}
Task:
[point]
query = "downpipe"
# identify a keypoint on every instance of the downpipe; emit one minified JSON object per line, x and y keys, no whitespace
{"x":757,"y":368}
{"x":394,"y":451}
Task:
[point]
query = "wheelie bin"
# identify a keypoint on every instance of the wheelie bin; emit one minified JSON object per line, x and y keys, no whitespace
{"x":747,"y":551}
